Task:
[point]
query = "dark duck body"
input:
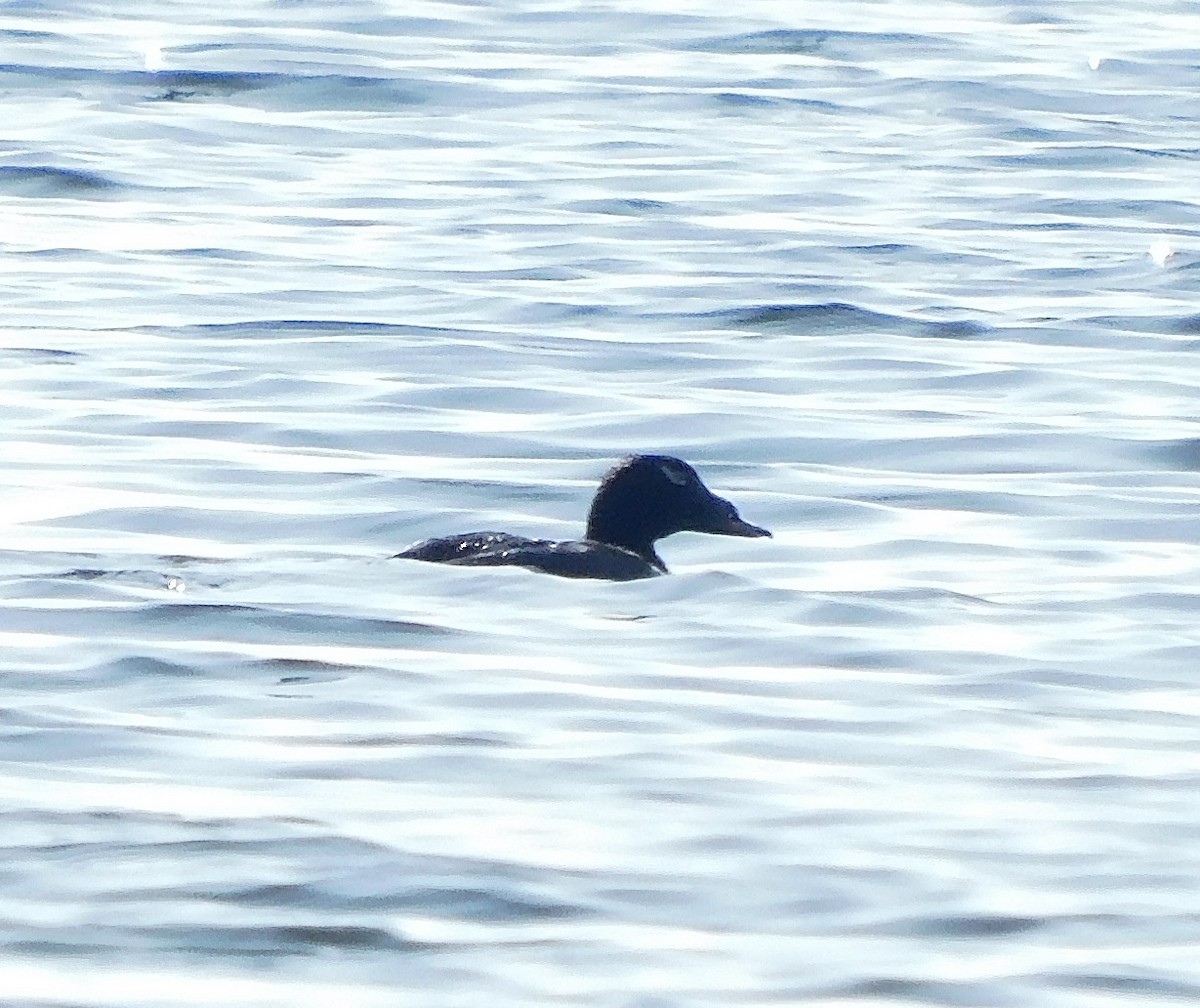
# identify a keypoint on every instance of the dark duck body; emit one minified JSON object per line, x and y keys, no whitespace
{"x":641,"y":500}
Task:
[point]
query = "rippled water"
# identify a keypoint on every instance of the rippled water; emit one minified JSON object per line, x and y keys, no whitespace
{"x":289,"y":285}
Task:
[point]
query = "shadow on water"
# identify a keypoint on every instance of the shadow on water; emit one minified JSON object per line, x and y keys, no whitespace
{"x":838,"y":317}
{"x":340,"y":92}
{"x":822,"y":42}
{"x":1183,"y":455}
{"x":49,"y":182}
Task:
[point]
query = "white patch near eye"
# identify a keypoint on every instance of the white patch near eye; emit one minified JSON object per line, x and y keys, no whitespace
{"x":676,"y":475}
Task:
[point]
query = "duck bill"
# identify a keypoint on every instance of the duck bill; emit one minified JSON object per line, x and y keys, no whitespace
{"x":737,"y":527}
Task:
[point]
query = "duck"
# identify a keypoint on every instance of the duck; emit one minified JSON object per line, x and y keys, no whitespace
{"x":640,"y":500}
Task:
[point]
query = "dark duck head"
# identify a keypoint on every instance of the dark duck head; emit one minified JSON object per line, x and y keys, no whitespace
{"x":648,"y":497}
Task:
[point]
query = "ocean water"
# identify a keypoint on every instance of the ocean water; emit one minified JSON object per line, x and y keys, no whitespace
{"x":289,"y":285}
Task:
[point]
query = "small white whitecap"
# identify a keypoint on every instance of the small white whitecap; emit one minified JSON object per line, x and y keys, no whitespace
{"x":152,"y":55}
{"x":1094,"y":60}
{"x":1161,"y":251}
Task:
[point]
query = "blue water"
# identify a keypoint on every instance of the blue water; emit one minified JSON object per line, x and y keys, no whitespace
{"x":290,"y":285}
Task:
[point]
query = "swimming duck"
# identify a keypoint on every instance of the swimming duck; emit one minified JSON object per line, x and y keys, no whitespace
{"x":640,"y":500}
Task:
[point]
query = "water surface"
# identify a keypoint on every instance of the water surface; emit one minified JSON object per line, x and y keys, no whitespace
{"x":290,"y":285}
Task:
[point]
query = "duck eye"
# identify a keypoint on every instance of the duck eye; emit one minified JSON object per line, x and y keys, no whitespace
{"x":676,"y":475}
